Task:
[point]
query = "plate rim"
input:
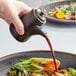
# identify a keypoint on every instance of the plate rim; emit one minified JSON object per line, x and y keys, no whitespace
{"x":52,"y":18}
{"x":36,"y":51}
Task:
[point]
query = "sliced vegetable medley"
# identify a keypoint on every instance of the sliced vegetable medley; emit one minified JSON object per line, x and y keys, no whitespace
{"x":66,"y":11}
{"x":39,"y":67}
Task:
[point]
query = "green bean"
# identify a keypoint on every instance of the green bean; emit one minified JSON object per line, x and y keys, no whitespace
{"x":38,"y":67}
{"x":13,"y":68}
{"x":72,"y":71}
{"x":22,"y":60}
{"x":26,"y":73}
{"x":19,"y":74}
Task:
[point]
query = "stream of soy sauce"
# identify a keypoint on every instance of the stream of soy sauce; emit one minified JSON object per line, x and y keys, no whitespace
{"x":52,"y":52}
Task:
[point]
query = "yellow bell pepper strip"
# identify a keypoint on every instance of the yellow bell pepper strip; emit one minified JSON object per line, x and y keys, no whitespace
{"x":60,"y":15}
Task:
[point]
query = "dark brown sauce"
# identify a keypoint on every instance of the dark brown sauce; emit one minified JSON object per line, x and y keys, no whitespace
{"x":52,"y":52}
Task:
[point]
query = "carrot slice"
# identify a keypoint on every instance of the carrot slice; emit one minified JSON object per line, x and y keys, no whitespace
{"x":34,"y":73}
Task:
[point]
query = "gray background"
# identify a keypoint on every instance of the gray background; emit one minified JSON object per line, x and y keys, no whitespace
{"x":62,"y":39}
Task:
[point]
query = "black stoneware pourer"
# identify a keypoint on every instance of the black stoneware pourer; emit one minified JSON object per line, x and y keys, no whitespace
{"x":32,"y":22}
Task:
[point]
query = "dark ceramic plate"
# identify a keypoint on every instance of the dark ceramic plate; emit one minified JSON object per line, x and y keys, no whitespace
{"x":46,"y":8}
{"x":67,"y":60}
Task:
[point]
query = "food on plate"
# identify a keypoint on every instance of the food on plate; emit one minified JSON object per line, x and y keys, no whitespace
{"x":39,"y":67}
{"x":66,"y":11}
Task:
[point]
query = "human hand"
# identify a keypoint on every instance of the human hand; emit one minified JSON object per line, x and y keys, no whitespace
{"x":11,"y":10}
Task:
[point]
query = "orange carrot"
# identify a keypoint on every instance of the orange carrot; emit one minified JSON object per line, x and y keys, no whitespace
{"x":34,"y":73}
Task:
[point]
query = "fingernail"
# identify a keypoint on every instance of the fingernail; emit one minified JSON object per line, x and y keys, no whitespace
{"x":21,"y":32}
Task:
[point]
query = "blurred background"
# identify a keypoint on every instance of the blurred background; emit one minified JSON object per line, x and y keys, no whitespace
{"x":62,"y":38}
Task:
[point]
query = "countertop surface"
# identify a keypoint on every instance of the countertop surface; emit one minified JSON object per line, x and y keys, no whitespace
{"x":63,"y":38}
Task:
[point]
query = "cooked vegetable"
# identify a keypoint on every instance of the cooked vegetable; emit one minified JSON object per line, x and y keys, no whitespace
{"x":39,"y":67}
{"x":72,"y":71}
{"x":25,"y":73}
{"x":19,"y":74}
{"x":59,"y":74}
{"x":66,"y":11}
{"x":12,"y":73}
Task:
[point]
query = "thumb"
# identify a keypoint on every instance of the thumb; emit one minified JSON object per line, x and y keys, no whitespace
{"x":18,"y":25}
